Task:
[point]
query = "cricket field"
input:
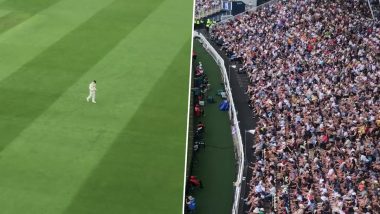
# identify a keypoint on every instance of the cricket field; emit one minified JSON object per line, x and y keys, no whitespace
{"x":125,"y":154}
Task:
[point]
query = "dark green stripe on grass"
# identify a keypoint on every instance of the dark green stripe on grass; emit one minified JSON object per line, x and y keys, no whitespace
{"x":149,"y":153}
{"x":29,"y":91}
{"x":21,"y":10}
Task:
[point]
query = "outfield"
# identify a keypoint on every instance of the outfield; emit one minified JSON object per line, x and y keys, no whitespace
{"x":125,"y":154}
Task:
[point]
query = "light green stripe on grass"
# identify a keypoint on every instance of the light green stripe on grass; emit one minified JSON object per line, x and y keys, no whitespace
{"x":65,"y":143}
{"x":4,"y":12}
{"x":24,"y":42}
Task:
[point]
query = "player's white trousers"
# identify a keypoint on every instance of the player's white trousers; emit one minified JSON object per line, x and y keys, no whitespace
{"x":91,"y":96}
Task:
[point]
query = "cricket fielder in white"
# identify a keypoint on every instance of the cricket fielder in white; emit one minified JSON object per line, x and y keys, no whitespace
{"x":92,"y":88}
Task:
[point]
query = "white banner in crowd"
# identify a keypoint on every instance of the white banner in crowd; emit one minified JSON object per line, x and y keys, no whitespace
{"x":238,"y":143}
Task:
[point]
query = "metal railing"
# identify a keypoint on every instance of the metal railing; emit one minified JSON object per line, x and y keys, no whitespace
{"x":375,"y":12}
{"x":370,"y":8}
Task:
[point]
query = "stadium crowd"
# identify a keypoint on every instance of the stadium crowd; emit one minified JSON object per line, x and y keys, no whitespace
{"x":205,"y":6}
{"x":314,"y":69}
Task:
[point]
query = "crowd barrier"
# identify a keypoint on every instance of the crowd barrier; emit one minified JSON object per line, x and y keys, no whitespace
{"x":238,"y":143}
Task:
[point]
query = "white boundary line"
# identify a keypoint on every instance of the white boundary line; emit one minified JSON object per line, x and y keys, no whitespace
{"x":188,"y":108}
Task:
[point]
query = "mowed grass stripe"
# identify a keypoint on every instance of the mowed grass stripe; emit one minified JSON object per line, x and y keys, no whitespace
{"x":4,"y":12}
{"x":144,"y":165}
{"x":21,"y":44}
{"x":21,"y":10}
{"x":12,"y":19}
{"x":29,"y":91}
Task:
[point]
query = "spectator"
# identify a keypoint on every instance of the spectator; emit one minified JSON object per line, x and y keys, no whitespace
{"x":195,"y":55}
{"x":195,"y":182}
{"x":198,"y":110}
{"x":314,"y":77}
{"x":205,"y":7}
{"x":199,"y":70}
{"x":200,"y":127}
{"x":190,"y":204}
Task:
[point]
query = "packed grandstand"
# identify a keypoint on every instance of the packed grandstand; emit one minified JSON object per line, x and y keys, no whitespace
{"x":206,"y":7}
{"x":314,"y":71}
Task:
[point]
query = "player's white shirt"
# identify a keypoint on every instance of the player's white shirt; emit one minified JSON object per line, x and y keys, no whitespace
{"x":92,"y":86}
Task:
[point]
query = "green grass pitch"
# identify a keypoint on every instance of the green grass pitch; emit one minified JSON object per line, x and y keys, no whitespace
{"x":125,"y":154}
